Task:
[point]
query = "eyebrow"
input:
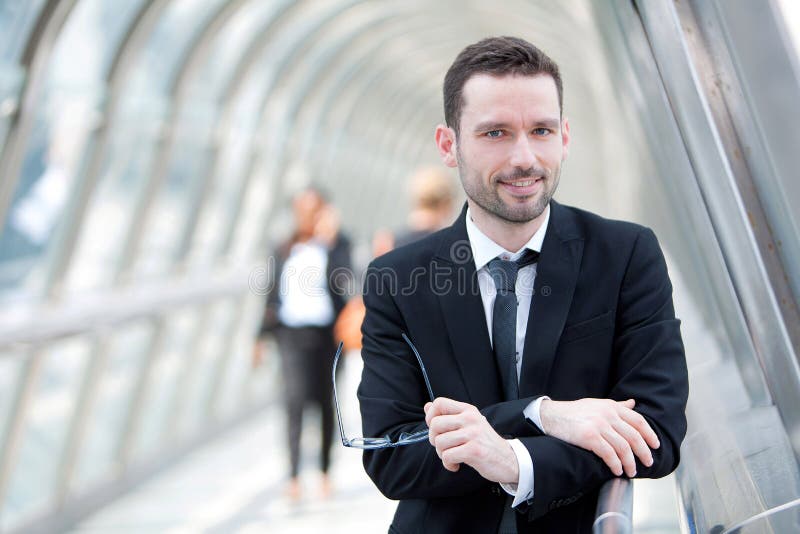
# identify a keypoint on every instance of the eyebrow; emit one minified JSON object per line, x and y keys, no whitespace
{"x":542,"y":123}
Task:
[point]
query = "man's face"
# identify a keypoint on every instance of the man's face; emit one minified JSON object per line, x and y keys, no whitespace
{"x":511,"y":144}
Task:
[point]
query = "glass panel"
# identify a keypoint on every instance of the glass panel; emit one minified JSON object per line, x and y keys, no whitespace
{"x":34,"y":475}
{"x":239,"y":371}
{"x":109,"y":22}
{"x":234,"y":157}
{"x":126,"y":353}
{"x":49,"y":171}
{"x":17,"y":18}
{"x":224,"y":196}
{"x":68,"y":111}
{"x":166,"y":48}
{"x":124,"y":173}
{"x":202,"y":369}
{"x":229,"y":46}
{"x":180,"y":193}
{"x":84,"y":51}
{"x":159,"y":400}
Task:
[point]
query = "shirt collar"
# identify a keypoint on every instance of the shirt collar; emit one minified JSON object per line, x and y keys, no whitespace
{"x":485,"y":250}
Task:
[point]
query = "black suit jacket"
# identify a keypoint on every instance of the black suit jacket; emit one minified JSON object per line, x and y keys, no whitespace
{"x":601,"y":325}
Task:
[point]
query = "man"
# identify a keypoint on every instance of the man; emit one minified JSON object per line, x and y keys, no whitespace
{"x":302,"y":305}
{"x":590,"y":326}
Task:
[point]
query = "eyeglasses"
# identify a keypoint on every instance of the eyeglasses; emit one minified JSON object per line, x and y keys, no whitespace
{"x":405,"y":438}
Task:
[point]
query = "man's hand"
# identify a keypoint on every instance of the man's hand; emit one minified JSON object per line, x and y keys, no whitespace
{"x":610,"y":429}
{"x":461,"y":434}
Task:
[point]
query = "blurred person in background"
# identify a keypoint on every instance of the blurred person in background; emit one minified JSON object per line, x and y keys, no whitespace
{"x":303,"y":303}
{"x":432,"y":194}
{"x":432,"y":198}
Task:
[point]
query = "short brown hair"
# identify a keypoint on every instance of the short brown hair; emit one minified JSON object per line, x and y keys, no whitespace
{"x":498,"y":56}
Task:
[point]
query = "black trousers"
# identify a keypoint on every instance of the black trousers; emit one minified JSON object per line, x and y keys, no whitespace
{"x":306,"y":360}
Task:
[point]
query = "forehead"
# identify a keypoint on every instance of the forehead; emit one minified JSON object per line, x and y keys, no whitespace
{"x":509,"y":97}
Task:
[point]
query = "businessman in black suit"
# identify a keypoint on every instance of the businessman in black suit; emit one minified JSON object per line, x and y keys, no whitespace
{"x":548,"y":333}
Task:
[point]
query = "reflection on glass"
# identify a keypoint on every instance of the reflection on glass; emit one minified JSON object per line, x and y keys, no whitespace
{"x":123,"y":365}
{"x":35,"y":473}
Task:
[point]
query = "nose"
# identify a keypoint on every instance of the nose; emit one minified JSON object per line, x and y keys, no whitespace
{"x":522,"y":154}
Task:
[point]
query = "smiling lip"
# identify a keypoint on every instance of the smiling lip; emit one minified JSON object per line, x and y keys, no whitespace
{"x":524,"y":187}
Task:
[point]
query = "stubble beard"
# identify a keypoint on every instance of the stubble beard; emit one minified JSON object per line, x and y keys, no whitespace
{"x":489,"y":199}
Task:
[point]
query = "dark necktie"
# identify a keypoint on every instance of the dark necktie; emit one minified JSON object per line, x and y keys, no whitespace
{"x":504,"y":318}
{"x":504,"y":342}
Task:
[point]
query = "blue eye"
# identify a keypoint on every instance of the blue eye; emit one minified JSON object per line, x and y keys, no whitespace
{"x":541,"y":131}
{"x":494,"y":133}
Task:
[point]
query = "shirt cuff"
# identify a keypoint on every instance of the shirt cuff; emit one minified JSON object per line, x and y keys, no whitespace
{"x":523,"y":490}
{"x":532,"y":412}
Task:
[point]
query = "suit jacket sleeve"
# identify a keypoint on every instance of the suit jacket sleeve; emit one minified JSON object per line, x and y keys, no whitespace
{"x":650,"y":368}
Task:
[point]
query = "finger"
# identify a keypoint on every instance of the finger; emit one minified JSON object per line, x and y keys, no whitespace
{"x":451,"y":467}
{"x":630,"y":403}
{"x":449,"y":440}
{"x":607,"y":453}
{"x":635,"y":440}
{"x":637,"y":421}
{"x":456,"y":455}
{"x":623,"y":450}
{"x":445,"y":406}
{"x":428,"y":408}
{"x":445,"y":423}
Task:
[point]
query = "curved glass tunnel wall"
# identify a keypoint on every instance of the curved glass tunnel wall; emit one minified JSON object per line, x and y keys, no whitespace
{"x":141,"y":192}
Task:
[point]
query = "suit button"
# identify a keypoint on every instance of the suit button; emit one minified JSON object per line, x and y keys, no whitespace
{"x":495,"y":490}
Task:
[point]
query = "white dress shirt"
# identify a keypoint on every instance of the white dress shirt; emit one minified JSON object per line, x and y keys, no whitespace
{"x":304,"y":287}
{"x":485,"y":250}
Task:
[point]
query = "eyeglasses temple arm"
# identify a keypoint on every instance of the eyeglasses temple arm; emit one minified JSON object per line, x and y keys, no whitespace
{"x":421,"y":365}
{"x":336,"y":397}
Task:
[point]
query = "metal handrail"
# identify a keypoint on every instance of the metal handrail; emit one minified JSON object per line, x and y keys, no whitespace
{"x":85,"y":313}
{"x":614,"y":508}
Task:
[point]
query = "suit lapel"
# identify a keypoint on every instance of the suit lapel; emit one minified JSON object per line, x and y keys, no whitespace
{"x":556,"y":276}
{"x":460,"y":300}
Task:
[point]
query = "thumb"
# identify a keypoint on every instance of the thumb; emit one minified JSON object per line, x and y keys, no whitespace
{"x":630,"y":403}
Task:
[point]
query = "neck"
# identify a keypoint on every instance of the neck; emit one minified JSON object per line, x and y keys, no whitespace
{"x":511,"y":236}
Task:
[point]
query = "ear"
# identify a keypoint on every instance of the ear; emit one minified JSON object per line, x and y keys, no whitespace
{"x":565,"y":138}
{"x":446,"y":143}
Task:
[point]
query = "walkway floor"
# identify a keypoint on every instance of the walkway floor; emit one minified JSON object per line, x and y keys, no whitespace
{"x":235,"y":484}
